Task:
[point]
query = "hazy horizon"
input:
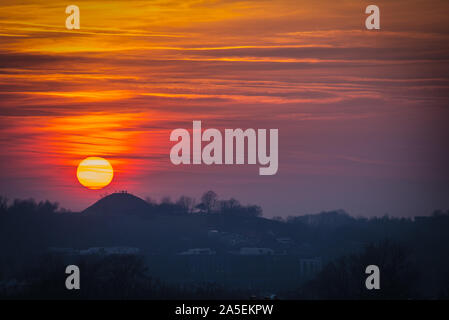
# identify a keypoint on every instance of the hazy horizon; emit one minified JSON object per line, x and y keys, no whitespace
{"x":362,"y":114}
{"x":197,"y":199}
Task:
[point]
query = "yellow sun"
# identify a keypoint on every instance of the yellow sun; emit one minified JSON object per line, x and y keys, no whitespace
{"x":94,"y":172}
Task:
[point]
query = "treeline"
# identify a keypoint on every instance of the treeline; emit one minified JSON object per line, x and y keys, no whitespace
{"x":104,"y":277}
{"x":209,"y":204}
{"x":127,"y":277}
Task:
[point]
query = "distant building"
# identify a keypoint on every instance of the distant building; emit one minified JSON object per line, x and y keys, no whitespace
{"x":96,"y":251}
{"x":284,"y":241}
{"x":110,"y":251}
{"x":198,"y":251}
{"x":256,"y":251}
{"x":309,"y":267}
{"x":231,"y":239}
{"x":213,"y":233}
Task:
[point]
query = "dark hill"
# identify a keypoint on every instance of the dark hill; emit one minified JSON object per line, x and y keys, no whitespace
{"x":119,"y":204}
{"x":122,"y":219}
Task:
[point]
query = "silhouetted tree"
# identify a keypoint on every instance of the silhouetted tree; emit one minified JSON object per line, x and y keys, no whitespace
{"x":186,"y":203}
{"x":208,"y":201}
{"x":166,"y":200}
{"x":345,"y":278}
{"x":227,"y":206}
{"x":3,"y":204}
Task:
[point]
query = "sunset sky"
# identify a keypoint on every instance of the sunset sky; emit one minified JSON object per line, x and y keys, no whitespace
{"x":362,"y":115}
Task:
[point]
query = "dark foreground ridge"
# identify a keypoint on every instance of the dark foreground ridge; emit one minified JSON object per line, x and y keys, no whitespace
{"x":129,"y":248}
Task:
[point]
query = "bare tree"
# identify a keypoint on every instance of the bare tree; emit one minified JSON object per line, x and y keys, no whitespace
{"x":209,"y":200}
{"x":186,"y":203}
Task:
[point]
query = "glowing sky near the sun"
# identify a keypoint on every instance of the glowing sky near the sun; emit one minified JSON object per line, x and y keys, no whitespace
{"x":362,"y":115}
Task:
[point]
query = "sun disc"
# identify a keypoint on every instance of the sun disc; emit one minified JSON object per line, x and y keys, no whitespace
{"x":94,"y":173}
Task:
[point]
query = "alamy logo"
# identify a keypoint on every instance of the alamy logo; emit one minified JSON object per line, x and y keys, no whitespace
{"x":73,"y":280}
{"x":72,"y":21}
{"x":373,"y":280}
{"x":234,"y":140}
{"x":373,"y":20}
